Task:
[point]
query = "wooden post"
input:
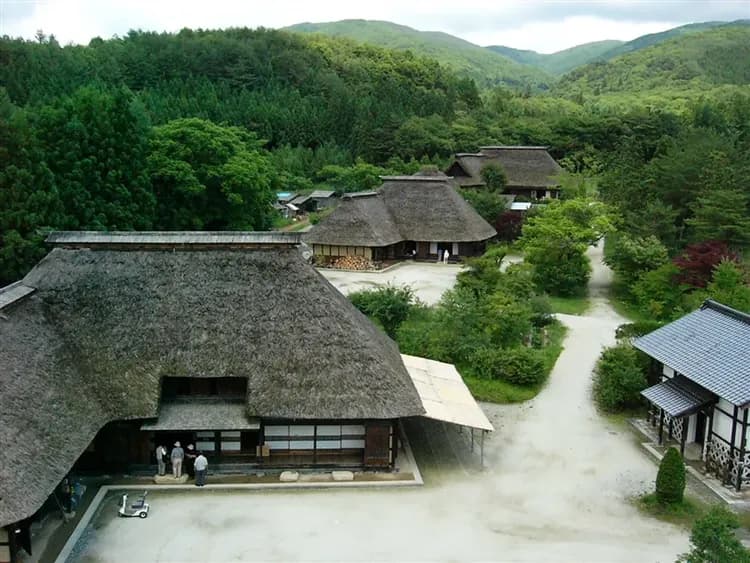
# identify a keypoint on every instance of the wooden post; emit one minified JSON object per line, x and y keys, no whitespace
{"x":685,"y":424}
{"x":741,"y":461}
{"x":661,"y":426}
{"x":671,"y":421}
{"x":481,"y":450}
{"x":731,"y":445}
{"x":709,"y":434}
{"x":472,"y":440}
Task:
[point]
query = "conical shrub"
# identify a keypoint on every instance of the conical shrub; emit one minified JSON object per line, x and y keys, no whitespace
{"x":670,"y":480}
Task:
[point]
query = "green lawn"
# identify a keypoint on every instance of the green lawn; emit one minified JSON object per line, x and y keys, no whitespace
{"x":683,"y":514}
{"x":499,"y":391}
{"x":569,"y":305}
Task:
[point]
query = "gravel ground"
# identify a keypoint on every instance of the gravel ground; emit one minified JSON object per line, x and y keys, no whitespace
{"x":556,"y":487}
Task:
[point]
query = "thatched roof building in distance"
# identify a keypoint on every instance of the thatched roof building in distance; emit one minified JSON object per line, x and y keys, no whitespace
{"x":420,"y":215}
{"x":117,"y":341}
{"x":530,"y":171}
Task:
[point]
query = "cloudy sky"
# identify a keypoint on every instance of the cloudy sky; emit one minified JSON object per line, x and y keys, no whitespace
{"x":543,"y":25}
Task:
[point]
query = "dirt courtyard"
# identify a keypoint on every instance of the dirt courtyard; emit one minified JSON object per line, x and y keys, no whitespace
{"x":556,"y":487}
{"x":429,"y":281}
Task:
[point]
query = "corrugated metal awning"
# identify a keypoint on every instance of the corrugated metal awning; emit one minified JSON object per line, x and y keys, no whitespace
{"x":202,"y":416}
{"x":678,"y":396}
{"x":444,"y":394}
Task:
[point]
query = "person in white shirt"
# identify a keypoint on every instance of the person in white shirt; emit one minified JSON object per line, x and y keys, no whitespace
{"x":201,"y":468}
{"x":161,"y":454}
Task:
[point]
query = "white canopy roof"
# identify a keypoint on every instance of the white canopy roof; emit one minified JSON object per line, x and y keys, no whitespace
{"x":444,"y":394}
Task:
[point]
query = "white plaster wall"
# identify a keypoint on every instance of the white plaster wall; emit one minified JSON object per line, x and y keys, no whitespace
{"x":723,"y":423}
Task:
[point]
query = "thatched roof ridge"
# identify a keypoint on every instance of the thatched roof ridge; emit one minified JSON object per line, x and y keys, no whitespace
{"x":91,"y":344}
{"x":214,"y":239}
{"x":416,"y":208}
{"x":524,"y":166}
{"x":429,"y":208}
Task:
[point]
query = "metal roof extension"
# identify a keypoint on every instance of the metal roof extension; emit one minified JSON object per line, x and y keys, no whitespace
{"x":679,"y":396}
{"x":444,"y":394}
{"x":710,"y":346}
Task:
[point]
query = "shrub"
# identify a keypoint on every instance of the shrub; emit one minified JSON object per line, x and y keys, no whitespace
{"x":520,"y":366}
{"x":713,"y":539}
{"x":670,"y":480}
{"x":634,"y":330}
{"x":618,"y":379}
{"x":389,"y":305}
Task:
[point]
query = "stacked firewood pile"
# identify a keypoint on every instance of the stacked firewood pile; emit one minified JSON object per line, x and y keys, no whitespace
{"x":352,"y":263}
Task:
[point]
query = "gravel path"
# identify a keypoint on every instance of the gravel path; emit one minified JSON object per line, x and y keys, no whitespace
{"x":556,"y":488}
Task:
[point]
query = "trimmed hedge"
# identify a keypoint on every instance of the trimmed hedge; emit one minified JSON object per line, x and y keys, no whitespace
{"x":520,"y":366}
{"x":670,"y":480}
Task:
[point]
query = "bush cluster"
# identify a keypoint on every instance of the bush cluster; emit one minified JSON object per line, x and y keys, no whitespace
{"x":619,"y":378}
{"x":520,"y":366}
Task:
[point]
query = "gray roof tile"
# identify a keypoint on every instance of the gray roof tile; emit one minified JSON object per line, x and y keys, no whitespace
{"x":710,"y":346}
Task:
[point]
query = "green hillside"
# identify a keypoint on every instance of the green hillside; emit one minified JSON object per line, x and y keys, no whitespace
{"x":487,"y":68}
{"x":655,"y":38}
{"x":694,"y":62}
{"x":562,"y":61}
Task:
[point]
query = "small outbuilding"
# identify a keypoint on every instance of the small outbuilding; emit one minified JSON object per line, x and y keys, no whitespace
{"x":408,"y":216}
{"x":530,"y":171}
{"x":703,"y":397}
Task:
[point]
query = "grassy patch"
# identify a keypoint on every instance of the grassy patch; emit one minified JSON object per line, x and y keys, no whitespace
{"x":569,"y":305}
{"x":499,"y":391}
{"x":683,"y":514}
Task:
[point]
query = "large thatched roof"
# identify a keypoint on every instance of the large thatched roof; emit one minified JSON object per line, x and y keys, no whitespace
{"x":91,"y":342}
{"x":524,"y":167}
{"x":415,"y":208}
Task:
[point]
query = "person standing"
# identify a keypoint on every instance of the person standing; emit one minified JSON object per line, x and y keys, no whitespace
{"x":190,"y":456}
{"x":201,"y":468}
{"x":178,"y":454}
{"x":161,"y":457}
{"x":446,"y":255}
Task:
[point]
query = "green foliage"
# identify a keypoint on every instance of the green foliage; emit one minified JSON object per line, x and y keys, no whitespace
{"x":722,"y":214}
{"x":520,"y":366}
{"x":670,"y":479}
{"x":494,"y":178}
{"x":561,"y":61}
{"x":477,"y":63}
{"x":713,"y":539}
{"x":389,"y":305}
{"x":658,"y":294}
{"x":555,"y":242}
{"x":488,"y":204}
{"x":210,"y":177}
{"x":630,"y":257}
{"x":359,"y":177}
{"x":618,"y":379}
{"x":636,"y":329}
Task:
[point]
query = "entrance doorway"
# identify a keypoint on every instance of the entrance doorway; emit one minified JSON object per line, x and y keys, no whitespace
{"x":700,"y":427}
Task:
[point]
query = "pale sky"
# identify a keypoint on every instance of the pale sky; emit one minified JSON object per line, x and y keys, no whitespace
{"x":542,"y":25}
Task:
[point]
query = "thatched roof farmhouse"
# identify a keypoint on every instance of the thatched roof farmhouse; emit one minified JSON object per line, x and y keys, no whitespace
{"x":422,"y":214}
{"x":530,"y":171}
{"x":108,"y":327}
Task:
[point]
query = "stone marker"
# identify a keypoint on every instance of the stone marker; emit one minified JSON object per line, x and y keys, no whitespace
{"x":342,"y":475}
{"x":289,"y":476}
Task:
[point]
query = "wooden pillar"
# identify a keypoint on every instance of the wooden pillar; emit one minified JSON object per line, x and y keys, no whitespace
{"x":671,"y":421}
{"x":661,"y":426}
{"x":741,"y":461}
{"x":731,"y":445}
{"x":472,"y":440}
{"x":709,"y":434}
{"x":685,"y":424}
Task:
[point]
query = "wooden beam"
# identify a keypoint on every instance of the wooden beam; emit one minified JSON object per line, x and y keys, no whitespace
{"x":685,"y":425}
{"x":709,"y":435}
{"x":731,"y":444}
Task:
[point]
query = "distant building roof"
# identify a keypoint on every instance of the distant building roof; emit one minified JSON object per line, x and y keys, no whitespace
{"x":284,"y":197}
{"x":322,"y":194}
{"x":710,"y":346}
{"x":520,"y":206}
{"x":112,"y":239}
{"x":417,"y":208}
{"x":300,"y":200}
{"x":524,"y":167}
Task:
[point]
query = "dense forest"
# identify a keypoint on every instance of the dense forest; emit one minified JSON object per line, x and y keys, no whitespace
{"x":198,"y":129}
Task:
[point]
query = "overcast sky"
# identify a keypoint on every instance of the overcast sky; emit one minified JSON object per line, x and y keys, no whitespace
{"x":542,"y":25}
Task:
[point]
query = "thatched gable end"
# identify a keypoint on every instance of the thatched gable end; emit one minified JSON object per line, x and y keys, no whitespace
{"x":92,"y":343}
